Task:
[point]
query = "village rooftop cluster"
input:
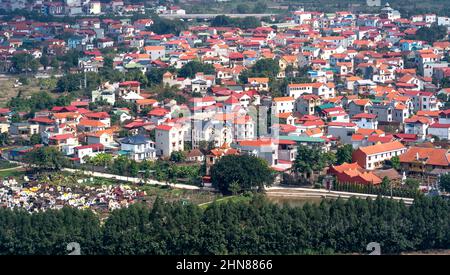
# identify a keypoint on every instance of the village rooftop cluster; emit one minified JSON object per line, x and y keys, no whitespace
{"x":366,"y":84}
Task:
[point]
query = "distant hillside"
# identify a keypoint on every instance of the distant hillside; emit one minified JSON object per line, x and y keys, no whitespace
{"x":406,"y":7}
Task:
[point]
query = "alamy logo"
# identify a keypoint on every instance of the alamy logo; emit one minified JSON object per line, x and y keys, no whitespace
{"x":74,"y":248}
{"x":373,"y":3}
{"x":374,"y":247}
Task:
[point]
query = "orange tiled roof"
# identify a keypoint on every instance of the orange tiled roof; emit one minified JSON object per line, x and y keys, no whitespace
{"x":431,"y":156}
{"x":382,"y":147}
{"x":91,"y":123}
{"x":284,"y":98}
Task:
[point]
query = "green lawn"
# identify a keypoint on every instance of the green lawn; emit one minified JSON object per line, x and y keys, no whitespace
{"x":6,"y":164}
{"x":11,"y":173}
{"x":227,"y":199}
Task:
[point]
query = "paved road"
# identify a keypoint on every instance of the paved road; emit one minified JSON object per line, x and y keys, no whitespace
{"x":210,"y":15}
{"x":131,"y":179}
{"x":298,"y":192}
{"x":9,"y":169}
{"x":294,"y":192}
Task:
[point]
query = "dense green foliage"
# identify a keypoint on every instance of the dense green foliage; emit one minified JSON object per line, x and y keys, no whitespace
{"x":160,"y":170}
{"x":431,"y":34}
{"x":445,"y":182}
{"x":257,"y":227}
{"x":262,"y":68}
{"x":24,"y":63}
{"x":384,"y":189}
{"x":46,"y":158}
{"x":250,"y":172}
{"x":344,"y":154}
{"x":165,"y":26}
{"x":310,"y":160}
{"x":37,"y":101}
{"x":193,"y":67}
{"x":243,"y":23}
{"x":178,"y":156}
{"x":48,"y":232}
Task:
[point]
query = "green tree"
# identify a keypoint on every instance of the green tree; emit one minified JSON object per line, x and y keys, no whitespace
{"x":412,"y":184}
{"x":243,"y":8}
{"x":444,"y":182}
{"x":309,"y":160}
{"x":431,"y":34}
{"x":193,"y":67}
{"x":35,"y":139}
{"x":69,"y":59}
{"x":344,"y":154}
{"x":260,"y":7}
{"x":178,"y":156}
{"x":44,"y":60}
{"x":221,"y":21}
{"x":4,"y":139}
{"x":234,"y":188}
{"x":102,"y":159}
{"x":47,"y":158}
{"x":166,"y":26}
{"x":24,"y":62}
{"x":395,"y":162}
{"x":252,"y":173}
{"x":265,"y":68}
{"x":385,"y":183}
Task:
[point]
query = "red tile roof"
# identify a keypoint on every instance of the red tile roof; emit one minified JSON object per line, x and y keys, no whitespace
{"x":431,"y":156}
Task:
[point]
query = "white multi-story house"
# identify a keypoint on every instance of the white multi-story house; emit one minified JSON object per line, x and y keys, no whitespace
{"x":342,"y":130}
{"x":265,"y":149}
{"x":169,"y":138}
{"x":444,"y":117}
{"x":428,"y":102}
{"x":418,"y":126}
{"x":138,"y":148}
{"x":87,"y":151}
{"x":282,"y":105}
{"x":366,"y":121}
{"x":155,"y":52}
{"x":104,"y":137}
{"x":372,"y":157}
{"x":442,"y":131}
{"x":244,"y":128}
{"x":325,"y":90}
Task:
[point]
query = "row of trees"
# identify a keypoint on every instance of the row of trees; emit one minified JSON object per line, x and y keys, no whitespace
{"x":430,"y":34}
{"x":153,"y":78}
{"x":383,"y":189}
{"x":243,"y":23}
{"x":255,"y":227}
{"x":160,"y":170}
{"x":37,"y":101}
{"x":259,"y":7}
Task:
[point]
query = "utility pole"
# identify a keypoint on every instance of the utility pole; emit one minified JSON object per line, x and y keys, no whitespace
{"x":85,"y":80}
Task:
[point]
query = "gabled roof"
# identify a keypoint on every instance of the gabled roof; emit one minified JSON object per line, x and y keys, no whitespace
{"x":430,"y":156}
{"x":364,"y":115}
{"x":135,"y":140}
{"x":382,"y":147}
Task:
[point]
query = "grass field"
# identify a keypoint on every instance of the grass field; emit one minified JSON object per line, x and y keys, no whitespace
{"x":16,"y":173}
{"x":7,"y":89}
{"x":228,"y":199}
{"x":6,"y":164}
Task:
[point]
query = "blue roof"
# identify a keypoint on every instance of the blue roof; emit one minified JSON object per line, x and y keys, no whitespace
{"x":326,"y":106}
{"x":135,"y":140}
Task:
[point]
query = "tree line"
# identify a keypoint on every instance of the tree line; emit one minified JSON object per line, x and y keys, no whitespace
{"x":252,"y":227}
